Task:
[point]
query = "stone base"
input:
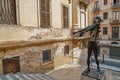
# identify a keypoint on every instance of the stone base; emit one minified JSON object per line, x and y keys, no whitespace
{"x":93,"y":75}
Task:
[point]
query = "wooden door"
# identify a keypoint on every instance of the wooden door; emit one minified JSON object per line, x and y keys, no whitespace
{"x":11,"y":65}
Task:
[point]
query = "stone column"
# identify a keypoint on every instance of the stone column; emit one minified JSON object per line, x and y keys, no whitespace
{"x":74,"y":14}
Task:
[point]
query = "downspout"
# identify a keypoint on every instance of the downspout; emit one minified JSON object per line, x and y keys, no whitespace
{"x":72,"y":29}
{"x":74,"y":23}
{"x":38,"y":15}
{"x":18,"y":12}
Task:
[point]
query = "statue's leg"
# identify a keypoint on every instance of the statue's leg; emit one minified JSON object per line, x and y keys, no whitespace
{"x":95,"y":49}
{"x":88,"y":57}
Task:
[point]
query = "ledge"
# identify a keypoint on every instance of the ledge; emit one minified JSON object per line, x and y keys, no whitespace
{"x":20,"y":44}
{"x":80,"y":38}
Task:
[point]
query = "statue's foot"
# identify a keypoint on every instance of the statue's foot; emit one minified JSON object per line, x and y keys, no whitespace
{"x":99,"y":71}
{"x":87,"y":71}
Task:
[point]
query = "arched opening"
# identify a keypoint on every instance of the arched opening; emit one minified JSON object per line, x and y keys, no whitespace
{"x":114,"y":43}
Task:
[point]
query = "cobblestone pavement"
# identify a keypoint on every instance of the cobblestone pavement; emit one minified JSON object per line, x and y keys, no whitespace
{"x":112,"y":75}
{"x":73,"y":72}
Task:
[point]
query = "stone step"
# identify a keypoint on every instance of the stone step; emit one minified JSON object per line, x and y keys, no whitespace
{"x":37,"y":77}
{"x":13,"y":77}
{"x":46,"y":77}
{"x":41,"y":77}
{"x":19,"y":76}
{"x":2,"y":77}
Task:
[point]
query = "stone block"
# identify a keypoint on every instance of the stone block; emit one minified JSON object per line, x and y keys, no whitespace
{"x":93,"y":75}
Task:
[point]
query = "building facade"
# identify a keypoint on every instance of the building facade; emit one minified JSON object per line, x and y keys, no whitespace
{"x":36,"y":35}
{"x":109,"y":11}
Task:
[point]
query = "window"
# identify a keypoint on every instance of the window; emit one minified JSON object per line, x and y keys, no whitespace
{"x":115,"y":15}
{"x":8,"y":12}
{"x":65,"y":17}
{"x":105,"y":31}
{"x":45,"y":13}
{"x":105,"y":2}
{"x":66,"y":49}
{"x":11,"y":65}
{"x":105,"y":15}
{"x":83,"y":20}
{"x":96,"y":4}
{"x":46,"y":55}
{"x":115,"y":32}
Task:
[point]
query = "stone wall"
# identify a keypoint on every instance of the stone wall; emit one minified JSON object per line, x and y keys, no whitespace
{"x":31,"y":57}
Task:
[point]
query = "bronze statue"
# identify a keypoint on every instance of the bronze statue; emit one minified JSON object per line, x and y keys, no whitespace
{"x":92,"y":44}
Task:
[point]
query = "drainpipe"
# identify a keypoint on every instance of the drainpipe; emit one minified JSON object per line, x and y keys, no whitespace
{"x":38,"y":14}
{"x":72,"y":31}
{"x":74,"y":22}
{"x":71,"y":1}
{"x":18,"y":12}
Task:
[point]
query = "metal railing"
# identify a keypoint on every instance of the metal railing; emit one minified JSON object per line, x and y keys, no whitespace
{"x":114,"y":5}
{"x":95,"y":9}
{"x":115,"y":38}
{"x":112,"y":21}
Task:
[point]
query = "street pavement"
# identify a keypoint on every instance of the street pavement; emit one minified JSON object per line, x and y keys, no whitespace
{"x":108,"y":63}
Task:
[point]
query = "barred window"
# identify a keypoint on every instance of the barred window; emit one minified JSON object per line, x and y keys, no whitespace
{"x":65,"y":17}
{"x":46,"y":55}
{"x":8,"y":12}
{"x":105,"y":15}
{"x":66,"y":49}
{"x":96,"y":4}
{"x":105,"y":31}
{"x":105,"y":2}
{"x":115,"y":32}
{"x":45,"y":13}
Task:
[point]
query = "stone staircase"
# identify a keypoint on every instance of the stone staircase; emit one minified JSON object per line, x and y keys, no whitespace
{"x":20,"y":76}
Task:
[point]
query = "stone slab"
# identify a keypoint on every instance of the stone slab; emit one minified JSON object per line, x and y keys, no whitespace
{"x":93,"y":75}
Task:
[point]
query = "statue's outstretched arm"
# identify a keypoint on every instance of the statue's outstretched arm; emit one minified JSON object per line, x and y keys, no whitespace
{"x":89,"y":28}
{"x":83,"y":30}
{"x":92,"y":27}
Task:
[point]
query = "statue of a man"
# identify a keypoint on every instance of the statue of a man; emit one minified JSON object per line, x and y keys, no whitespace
{"x":92,"y":44}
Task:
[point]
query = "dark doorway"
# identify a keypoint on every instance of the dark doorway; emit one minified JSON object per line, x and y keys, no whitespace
{"x":115,"y":1}
{"x":114,"y":53}
{"x":11,"y":65}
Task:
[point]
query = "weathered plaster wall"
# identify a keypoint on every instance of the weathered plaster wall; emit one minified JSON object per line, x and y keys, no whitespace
{"x":19,"y":33}
{"x":57,"y":13}
{"x":14,"y":33}
{"x":28,"y":28}
{"x":28,"y":12}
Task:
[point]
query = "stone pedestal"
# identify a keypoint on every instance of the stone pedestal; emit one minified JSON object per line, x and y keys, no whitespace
{"x":93,"y":75}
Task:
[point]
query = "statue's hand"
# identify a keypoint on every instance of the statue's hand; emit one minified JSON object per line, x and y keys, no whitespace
{"x":81,"y":34}
{"x":73,"y":33}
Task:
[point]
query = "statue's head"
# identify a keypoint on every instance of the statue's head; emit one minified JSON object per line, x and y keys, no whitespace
{"x":97,"y":19}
